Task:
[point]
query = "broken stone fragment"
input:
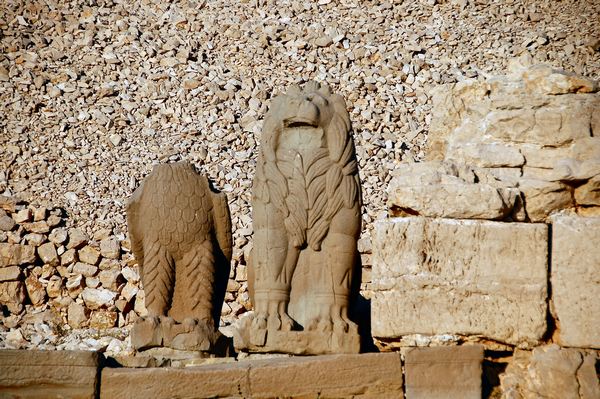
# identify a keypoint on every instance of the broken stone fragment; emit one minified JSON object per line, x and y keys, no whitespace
{"x":89,"y":254}
{"x":96,"y":298}
{"x":47,"y":253}
{"x":12,"y":295}
{"x":449,"y":190}
{"x":16,"y":254}
{"x":110,"y":248}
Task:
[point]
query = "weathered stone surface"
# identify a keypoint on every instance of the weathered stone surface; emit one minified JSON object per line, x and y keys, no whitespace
{"x":47,"y":253}
{"x":103,"y":319}
{"x":486,"y":155}
{"x":6,"y":223}
{"x":331,"y":376}
{"x":520,"y":121}
{"x":436,"y":276}
{"x":77,"y":238}
{"x":306,"y":206}
{"x":35,"y":290}
{"x":576,"y":279}
{"x":446,"y":189}
{"x":551,"y":372}
{"x":97,"y":297}
{"x":48,"y":374}
{"x":542,"y":197}
{"x":10,"y":273}
{"x":110,"y":248}
{"x":444,"y":372}
{"x":76,"y":315}
{"x":12,"y":295}
{"x":89,"y":255}
{"x":16,"y":254}
{"x":185,"y":260}
{"x":589,"y":193}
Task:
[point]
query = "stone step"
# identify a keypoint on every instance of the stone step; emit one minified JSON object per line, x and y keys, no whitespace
{"x":371,"y":375}
{"x":49,"y":374}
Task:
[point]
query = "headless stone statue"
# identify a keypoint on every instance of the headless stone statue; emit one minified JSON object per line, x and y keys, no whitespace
{"x":307,"y":220}
{"x":180,"y":234}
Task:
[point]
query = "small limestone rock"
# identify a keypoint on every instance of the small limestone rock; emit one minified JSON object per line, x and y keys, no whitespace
{"x":76,"y":315}
{"x":10,"y":273}
{"x":35,"y":290}
{"x":58,"y":236}
{"x":102,"y":319}
{"x":24,"y":215}
{"x":110,"y":248}
{"x":7,"y":223}
{"x":96,"y":298}
{"x":12,"y":295}
{"x":47,"y":252}
{"x":85,"y":269}
{"x":68,"y":257}
{"x":89,"y":255}
{"x":77,"y":239}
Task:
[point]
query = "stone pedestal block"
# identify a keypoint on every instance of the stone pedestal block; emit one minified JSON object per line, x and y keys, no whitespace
{"x":465,"y":277}
{"x":575,"y":276}
{"x":48,"y":374}
{"x":444,"y":372}
{"x":332,"y":376}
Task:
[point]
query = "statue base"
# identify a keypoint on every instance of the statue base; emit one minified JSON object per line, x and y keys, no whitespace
{"x":165,"y":332}
{"x":249,"y":339}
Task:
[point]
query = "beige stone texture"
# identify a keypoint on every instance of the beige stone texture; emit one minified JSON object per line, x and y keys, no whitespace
{"x":16,"y":254}
{"x":180,"y":231}
{"x":306,"y":217}
{"x":10,"y":273}
{"x":551,"y":372}
{"x":575,"y":277}
{"x":48,"y":374}
{"x":589,"y":193}
{"x":449,"y":190}
{"x":329,"y":376}
{"x":444,"y":372}
{"x":35,"y":290}
{"x":103,"y":319}
{"x":543,"y":197}
{"x":520,"y":120}
{"x":47,"y":253}
{"x":12,"y":295}
{"x":110,"y":248}
{"x":445,"y":276}
{"x":89,"y":254}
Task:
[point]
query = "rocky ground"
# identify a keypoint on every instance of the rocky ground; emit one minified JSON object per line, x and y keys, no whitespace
{"x":93,"y":93}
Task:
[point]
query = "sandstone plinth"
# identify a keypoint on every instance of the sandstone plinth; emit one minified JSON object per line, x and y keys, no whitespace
{"x":444,"y":372}
{"x":46,"y":374}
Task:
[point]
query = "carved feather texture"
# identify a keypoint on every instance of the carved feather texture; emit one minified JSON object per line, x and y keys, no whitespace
{"x":158,"y":276}
{"x":198,"y":265}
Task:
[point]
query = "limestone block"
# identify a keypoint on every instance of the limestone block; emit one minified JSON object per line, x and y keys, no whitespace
{"x":446,"y":189}
{"x":589,"y":193}
{"x":16,"y":254}
{"x":543,"y":197}
{"x":438,"y":276}
{"x":576,"y":279}
{"x":444,"y":372}
{"x":551,"y":372}
{"x":513,"y":109}
{"x":48,"y":374}
{"x":331,"y":376}
{"x":486,"y":155}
